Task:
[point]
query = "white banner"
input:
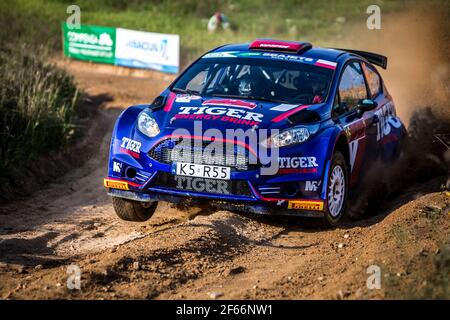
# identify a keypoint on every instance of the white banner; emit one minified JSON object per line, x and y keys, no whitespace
{"x":140,"y":49}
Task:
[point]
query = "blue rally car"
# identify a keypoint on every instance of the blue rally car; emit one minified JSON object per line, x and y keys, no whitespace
{"x":321,"y":119}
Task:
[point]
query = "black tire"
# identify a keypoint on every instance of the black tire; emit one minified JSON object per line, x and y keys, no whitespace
{"x":130,"y":210}
{"x":332,"y":219}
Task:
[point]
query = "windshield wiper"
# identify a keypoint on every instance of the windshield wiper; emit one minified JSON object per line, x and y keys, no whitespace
{"x":187,"y":91}
{"x":235,"y":96}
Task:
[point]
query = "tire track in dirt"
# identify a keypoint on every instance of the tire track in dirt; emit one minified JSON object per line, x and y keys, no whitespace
{"x":241,"y":257}
{"x":73,"y":215}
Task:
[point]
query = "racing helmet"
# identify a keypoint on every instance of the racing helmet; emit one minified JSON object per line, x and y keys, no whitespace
{"x":251,"y":84}
{"x":245,"y":86}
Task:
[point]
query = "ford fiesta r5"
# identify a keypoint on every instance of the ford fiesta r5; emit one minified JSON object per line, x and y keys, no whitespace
{"x":321,"y":119}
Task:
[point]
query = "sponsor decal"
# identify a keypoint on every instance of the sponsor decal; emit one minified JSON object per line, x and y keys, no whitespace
{"x":277,"y":44}
{"x":186,"y":98}
{"x":232,"y":115}
{"x":131,"y":147}
{"x":109,"y":183}
{"x":122,"y":47}
{"x":202,"y":185}
{"x":290,"y":165}
{"x":150,"y":50}
{"x":273,"y":55}
{"x":312,"y":185}
{"x":92,"y":43}
{"x":274,"y":45}
{"x":387,"y":121}
{"x":290,"y":57}
{"x":225,"y":54}
{"x":306,"y":205}
{"x":117,"y":167}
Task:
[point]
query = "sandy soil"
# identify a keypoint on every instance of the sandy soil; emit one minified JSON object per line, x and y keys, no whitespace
{"x":197,"y":255}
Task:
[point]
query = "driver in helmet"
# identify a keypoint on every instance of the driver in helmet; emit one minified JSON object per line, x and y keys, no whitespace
{"x":251,"y":84}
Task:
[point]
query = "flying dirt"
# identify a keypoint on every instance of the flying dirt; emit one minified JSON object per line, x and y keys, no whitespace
{"x":199,"y":253}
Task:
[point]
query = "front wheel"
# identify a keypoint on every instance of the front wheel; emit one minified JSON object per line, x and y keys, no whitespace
{"x":130,"y":210}
{"x":337,"y":189}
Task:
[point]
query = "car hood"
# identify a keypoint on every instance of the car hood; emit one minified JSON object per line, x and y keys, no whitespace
{"x":182,"y":111}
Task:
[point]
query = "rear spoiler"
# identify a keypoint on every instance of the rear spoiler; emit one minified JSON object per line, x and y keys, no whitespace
{"x":374,"y":58}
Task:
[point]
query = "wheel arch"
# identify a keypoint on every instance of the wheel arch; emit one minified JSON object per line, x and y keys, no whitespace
{"x":341,"y":145}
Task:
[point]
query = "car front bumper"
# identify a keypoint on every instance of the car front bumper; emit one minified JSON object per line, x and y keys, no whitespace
{"x":252,"y":206}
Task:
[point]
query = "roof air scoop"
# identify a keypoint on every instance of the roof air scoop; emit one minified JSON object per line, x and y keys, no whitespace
{"x":280,"y":45}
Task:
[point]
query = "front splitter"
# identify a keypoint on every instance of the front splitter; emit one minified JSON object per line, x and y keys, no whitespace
{"x":255,"y":207}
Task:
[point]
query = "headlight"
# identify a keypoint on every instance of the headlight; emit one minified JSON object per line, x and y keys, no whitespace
{"x":147,"y":124}
{"x":293,"y":136}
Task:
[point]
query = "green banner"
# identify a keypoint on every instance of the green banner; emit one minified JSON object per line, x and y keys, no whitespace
{"x":91,"y":43}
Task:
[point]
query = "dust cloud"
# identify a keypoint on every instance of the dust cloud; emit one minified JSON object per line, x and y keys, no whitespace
{"x":417,"y":44}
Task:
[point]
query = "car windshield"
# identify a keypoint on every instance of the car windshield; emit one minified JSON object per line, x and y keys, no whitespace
{"x":271,"y":80}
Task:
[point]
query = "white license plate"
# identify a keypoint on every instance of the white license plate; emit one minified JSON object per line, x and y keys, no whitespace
{"x":203,"y":171}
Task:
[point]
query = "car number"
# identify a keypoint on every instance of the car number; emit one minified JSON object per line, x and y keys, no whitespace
{"x":202,"y":171}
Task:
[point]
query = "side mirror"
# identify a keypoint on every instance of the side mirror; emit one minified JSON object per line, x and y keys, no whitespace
{"x":366,"y":105}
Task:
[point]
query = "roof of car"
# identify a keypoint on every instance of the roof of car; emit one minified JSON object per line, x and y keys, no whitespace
{"x":315,"y":52}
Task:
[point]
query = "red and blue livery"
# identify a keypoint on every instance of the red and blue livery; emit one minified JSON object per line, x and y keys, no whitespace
{"x":295,"y":130}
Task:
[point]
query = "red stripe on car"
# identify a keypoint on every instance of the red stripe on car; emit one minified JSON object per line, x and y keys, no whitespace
{"x":323,"y":65}
{"x":169,"y":103}
{"x":230,"y":102}
{"x":288,"y":113}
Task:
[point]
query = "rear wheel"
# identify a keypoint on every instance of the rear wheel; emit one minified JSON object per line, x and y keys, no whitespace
{"x":337,"y":189}
{"x":130,"y":210}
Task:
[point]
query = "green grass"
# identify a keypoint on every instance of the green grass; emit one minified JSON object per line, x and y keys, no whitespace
{"x":37,"y":106}
{"x":312,"y":20}
{"x":37,"y":100}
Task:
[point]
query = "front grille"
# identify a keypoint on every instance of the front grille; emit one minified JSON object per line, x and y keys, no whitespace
{"x":202,"y":152}
{"x":205,"y":185}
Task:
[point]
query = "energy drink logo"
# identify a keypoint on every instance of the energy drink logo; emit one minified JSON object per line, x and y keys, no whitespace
{"x":131,"y":147}
{"x":225,"y":114}
{"x":296,"y":165}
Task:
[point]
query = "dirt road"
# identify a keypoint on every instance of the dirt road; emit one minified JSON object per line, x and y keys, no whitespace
{"x":202,"y":255}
